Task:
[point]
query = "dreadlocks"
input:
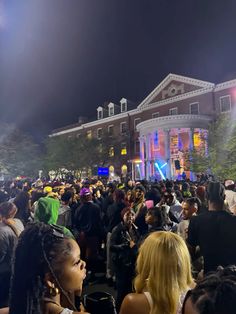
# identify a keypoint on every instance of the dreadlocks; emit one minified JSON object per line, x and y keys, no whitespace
{"x":40,"y":249}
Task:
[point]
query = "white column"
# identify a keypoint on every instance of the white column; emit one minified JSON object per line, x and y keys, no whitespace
{"x":167,"y":152}
{"x":142,"y":148}
{"x":148,"y":157}
{"x":191,"y":141}
{"x":191,"y":147}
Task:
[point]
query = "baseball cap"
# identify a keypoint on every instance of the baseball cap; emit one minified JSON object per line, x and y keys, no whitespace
{"x":84,"y":191}
{"x":228,"y":183}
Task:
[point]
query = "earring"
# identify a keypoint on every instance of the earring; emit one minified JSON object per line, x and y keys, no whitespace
{"x":53,"y":291}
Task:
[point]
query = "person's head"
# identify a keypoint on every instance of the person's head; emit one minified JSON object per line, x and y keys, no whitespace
{"x":201,"y":192}
{"x":215,"y":294}
{"x":46,"y":263}
{"x":229,"y":185}
{"x":192,"y":190}
{"x":128,"y":216}
{"x":119,"y":196}
{"x":164,"y":269}
{"x":155,"y":217}
{"x":4,"y":197}
{"x":7,"y":210}
{"x":111,"y":187}
{"x":85,"y":195}
{"x":47,"y":210}
{"x":185,"y":186}
{"x":216,"y":195}
{"x":22,"y":201}
{"x":67,"y":197}
{"x":129,"y":194}
{"x":190,"y":206}
{"x":169,"y":196}
{"x":139,"y":192}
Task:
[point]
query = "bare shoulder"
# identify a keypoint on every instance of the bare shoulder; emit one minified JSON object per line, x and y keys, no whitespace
{"x":135,"y":303}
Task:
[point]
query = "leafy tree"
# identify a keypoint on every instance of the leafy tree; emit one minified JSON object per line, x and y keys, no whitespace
{"x":221,"y":156}
{"x":78,"y":155}
{"x":19,"y":154}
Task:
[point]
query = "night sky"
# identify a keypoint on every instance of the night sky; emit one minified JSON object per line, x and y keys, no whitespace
{"x":60,"y":59}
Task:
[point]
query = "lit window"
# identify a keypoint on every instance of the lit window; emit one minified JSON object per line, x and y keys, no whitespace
{"x":89,"y":134}
{"x":155,"y":115}
{"x":194,"y":108}
{"x":111,"y":152}
{"x":123,"y":149}
{"x":123,"y":127}
{"x":99,"y":133}
{"x":136,"y":122}
{"x":173,"y":111}
{"x":225,"y":103}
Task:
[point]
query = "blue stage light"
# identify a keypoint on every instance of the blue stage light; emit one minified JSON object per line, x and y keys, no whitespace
{"x":159,"y":169}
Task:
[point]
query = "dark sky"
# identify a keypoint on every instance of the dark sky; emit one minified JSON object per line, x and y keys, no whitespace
{"x":63,"y":58}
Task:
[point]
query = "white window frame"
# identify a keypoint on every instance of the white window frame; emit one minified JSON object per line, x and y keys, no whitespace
{"x":99,"y":137}
{"x":125,"y":107}
{"x":155,"y":113}
{"x":135,"y":124}
{"x":111,"y":109}
{"x":174,"y":108}
{"x":100,"y":111}
{"x":190,"y":106}
{"x":230,"y":103}
{"x":110,"y":126}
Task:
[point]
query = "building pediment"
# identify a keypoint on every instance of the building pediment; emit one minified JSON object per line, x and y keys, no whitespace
{"x":174,"y":87}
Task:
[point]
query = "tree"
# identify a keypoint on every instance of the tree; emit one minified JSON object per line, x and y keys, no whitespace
{"x":221,"y":156}
{"x":78,"y":155}
{"x":19,"y":153}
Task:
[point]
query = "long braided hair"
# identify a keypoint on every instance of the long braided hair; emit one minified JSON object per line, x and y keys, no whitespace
{"x":41,"y":248}
{"x":216,"y":293}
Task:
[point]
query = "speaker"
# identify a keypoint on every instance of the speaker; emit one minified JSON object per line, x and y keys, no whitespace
{"x":177,"y":165}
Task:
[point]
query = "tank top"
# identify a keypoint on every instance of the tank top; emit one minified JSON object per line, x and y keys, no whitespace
{"x":181,"y":299}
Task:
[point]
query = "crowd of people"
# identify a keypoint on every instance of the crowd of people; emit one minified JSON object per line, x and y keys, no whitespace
{"x":168,"y":247}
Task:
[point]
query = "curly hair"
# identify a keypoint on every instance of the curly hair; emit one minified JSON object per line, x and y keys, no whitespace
{"x":41,"y":249}
{"x":216,"y":293}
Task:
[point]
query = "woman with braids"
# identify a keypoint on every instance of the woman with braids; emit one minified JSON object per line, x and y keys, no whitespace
{"x":215,"y":294}
{"x":47,"y":267}
{"x":163,"y":276}
{"x":10,"y":229}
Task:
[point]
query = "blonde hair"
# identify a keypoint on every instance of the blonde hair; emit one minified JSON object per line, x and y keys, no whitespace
{"x":164,"y":269}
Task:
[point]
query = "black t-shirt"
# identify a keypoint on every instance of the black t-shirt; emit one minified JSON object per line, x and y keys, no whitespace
{"x":215,"y":233}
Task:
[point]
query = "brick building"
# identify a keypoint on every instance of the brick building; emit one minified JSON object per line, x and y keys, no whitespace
{"x":155,"y":135}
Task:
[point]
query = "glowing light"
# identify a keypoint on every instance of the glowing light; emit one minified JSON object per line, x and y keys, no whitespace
{"x":159,"y":169}
{"x":164,"y":165}
{"x":137,"y":161}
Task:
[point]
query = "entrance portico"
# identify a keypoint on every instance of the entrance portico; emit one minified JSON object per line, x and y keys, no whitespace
{"x":166,"y":141}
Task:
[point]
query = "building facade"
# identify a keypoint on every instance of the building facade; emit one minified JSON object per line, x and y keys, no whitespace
{"x":158,"y":133}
